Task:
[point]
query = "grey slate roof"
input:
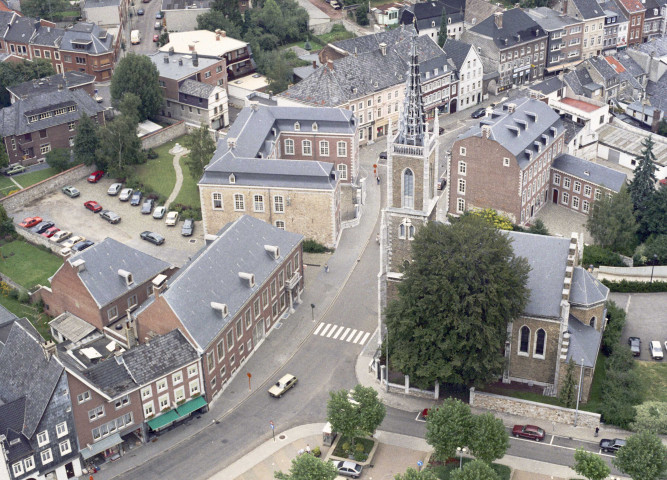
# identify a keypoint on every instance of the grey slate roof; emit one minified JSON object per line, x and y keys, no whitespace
{"x":52,"y":84}
{"x":14,"y":119}
{"x":604,"y":69}
{"x":457,"y":51}
{"x":547,"y":257}
{"x":585,"y":289}
{"x":478,"y":10}
{"x":578,"y":79}
{"x":572,"y":129}
{"x":630,"y":64}
{"x":175,"y":71}
{"x":548,"y":86}
{"x":196,"y":89}
{"x":104,"y":259}
{"x":546,"y":126}
{"x":431,"y":11}
{"x":515,"y":22}
{"x":213,"y":275}
{"x":100,"y":40}
{"x":549,"y":19}
{"x":657,"y":93}
{"x":584,"y":343}
{"x":657,"y":46}
{"x":589,"y":9}
{"x":589,"y":171}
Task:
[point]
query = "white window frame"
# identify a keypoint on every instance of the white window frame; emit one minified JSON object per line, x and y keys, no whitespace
{"x":65,"y":447}
{"x":341,"y":149}
{"x":324,"y":148}
{"x":179,"y":394}
{"x":149,"y":408}
{"x":194,"y":386}
{"x":215,"y":196}
{"x":42,"y":438}
{"x":342,"y":171}
{"x":460,"y":205}
{"x":192,"y":370}
{"x":461,"y":186}
{"x":278,"y":204}
{"x":258,"y":205}
{"x":161,"y":385}
{"x":46,"y":453}
{"x":177,"y":378}
{"x":518,"y":349}
{"x":462,"y":168}
{"x":163,"y":402}
{"x":289,"y":146}
{"x":61,"y":429}
{"x":146,"y":392}
{"x":544,"y":349}
{"x":239,"y":202}
{"x":83,"y":397}
{"x":462,"y":151}
{"x":307,"y":147}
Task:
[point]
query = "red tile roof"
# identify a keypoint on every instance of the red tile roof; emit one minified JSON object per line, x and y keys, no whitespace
{"x":580,"y":104}
{"x":633,"y":6}
{"x":615,"y":64}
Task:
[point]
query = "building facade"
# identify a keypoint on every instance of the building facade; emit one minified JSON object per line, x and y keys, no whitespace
{"x":564,"y":38}
{"x":468,"y":65}
{"x":634,"y":11}
{"x":593,"y":16}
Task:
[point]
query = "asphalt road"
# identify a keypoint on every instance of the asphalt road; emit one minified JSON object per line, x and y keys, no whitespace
{"x":644,"y":319}
{"x":145,"y":24}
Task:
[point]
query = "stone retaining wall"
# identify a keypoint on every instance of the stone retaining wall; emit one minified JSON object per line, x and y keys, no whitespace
{"x":163,"y":135}
{"x":16,"y":200}
{"x":543,"y":411}
{"x":36,"y":239}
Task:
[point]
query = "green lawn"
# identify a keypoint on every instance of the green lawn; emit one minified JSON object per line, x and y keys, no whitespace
{"x":26,"y":264}
{"x":444,"y":472}
{"x":599,"y":377}
{"x":32,"y":178}
{"x":38,"y":319}
{"x":159,"y":174}
{"x":341,"y":450}
{"x":654,"y":379}
{"x":189,"y":194}
{"x":6,"y":186}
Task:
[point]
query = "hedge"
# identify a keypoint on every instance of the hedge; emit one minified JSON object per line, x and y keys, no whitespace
{"x":625,"y":286}
{"x":597,"y":255}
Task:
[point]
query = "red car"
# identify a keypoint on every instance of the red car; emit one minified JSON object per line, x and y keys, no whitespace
{"x":531,"y":432}
{"x":93,"y":206}
{"x":156,"y":37}
{"x":50,"y":232}
{"x":95,"y":176}
{"x":30,"y":222}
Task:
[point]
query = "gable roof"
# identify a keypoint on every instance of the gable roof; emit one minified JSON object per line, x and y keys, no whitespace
{"x":584,"y":342}
{"x":102,"y":262}
{"x":196,"y":89}
{"x":457,"y":51}
{"x":98,"y":40}
{"x":588,"y":9}
{"x":589,"y":171}
{"x":425,"y":14}
{"x":585,"y":289}
{"x":517,"y":28}
{"x":213,"y":275}
{"x":52,"y":83}
{"x":548,"y":86}
{"x":476,"y":11}
{"x":632,"y":6}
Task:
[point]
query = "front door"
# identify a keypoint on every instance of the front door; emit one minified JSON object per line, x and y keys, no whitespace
{"x":258,"y":333}
{"x":69,"y":470}
{"x":555,"y":199}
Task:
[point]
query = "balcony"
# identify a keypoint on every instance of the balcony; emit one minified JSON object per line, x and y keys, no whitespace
{"x":293,"y":281}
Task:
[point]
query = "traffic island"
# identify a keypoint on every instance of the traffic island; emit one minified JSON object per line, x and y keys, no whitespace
{"x":364,"y":448}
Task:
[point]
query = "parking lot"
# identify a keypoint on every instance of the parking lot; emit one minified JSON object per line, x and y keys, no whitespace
{"x":70,"y":214}
{"x":645,"y":318}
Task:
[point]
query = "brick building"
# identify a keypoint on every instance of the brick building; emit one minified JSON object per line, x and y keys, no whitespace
{"x":634,"y":10}
{"x":593,"y":16}
{"x":53,"y":83}
{"x":229,"y":297}
{"x":32,"y":127}
{"x":564,"y":38}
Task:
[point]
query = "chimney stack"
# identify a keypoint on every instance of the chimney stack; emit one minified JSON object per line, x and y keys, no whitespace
{"x":330,"y":65}
{"x":223,"y":34}
{"x":314,"y":63}
{"x":383,"y":49}
{"x":498,"y":19}
{"x":191,"y":47}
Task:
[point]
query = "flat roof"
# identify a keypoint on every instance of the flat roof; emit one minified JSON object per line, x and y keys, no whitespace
{"x":251,"y":82}
{"x":580,"y":104}
{"x":204,"y":43}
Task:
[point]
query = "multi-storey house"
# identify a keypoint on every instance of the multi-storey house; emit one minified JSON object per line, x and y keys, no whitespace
{"x":593,"y":16}
{"x":564,"y":41}
{"x":427,"y":17}
{"x":615,"y":28}
{"x":634,"y":10}
{"x":653,"y":19}
{"x":468,"y":65}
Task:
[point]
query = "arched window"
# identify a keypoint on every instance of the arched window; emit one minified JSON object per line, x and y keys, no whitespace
{"x":289,"y":147}
{"x":524,"y":339}
{"x":592,"y":322}
{"x":401,"y":230}
{"x":408,"y":189}
{"x":540,"y":340}
{"x":411,"y":232}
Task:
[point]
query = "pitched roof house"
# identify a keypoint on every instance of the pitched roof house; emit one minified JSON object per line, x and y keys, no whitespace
{"x":51,"y":84}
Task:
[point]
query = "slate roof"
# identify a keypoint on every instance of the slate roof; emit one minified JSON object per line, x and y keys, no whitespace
{"x":572,"y":129}
{"x":431,"y":11}
{"x":213,"y":275}
{"x":457,"y":51}
{"x":580,"y":81}
{"x":657,"y":93}
{"x":477,"y":11}
{"x":629,"y":64}
{"x":549,"y":19}
{"x":547,"y":257}
{"x":52,"y":83}
{"x":610,"y":7}
{"x":585,"y":289}
{"x":548,"y":86}
{"x":104,"y":259}
{"x":589,"y":9}
{"x":589,"y":171}
{"x":632,"y":6}
{"x":100,"y":40}
{"x":504,"y":125}
{"x":47,"y":36}
{"x":584,"y":342}
{"x":196,"y":89}
{"x":515,"y":22}
{"x":604,"y":69}
{"x":14,"y":119}
{"x":12,"y":416}
{"x":175,"y":71}
{"x":657,"y":46}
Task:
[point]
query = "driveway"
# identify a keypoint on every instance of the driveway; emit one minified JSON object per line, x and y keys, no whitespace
{"x":70,"y":214}
{"x":645,"y":318}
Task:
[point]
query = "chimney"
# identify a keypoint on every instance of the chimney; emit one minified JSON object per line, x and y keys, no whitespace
{"x":518,"y":37}
{"x":180,"y":62}
{"x":565,"y":7}
{"x":511,"y":107}
{"x":498,"y":19}
{"x":191,"y":47}
{"x":195,"y":59}
{"x":223,"y":34}
{"x":505,"y":41}
{"x":330,"y":65}
{"x":130,"y":330}
{"x":220,"y":307}
{"x":159,"y":285}
{"x":272,"y":250}
{"x":171,"y":51}
{"x":314,"y":63}
{"x":486,"y":131}
{"x":383,"y":49}
{"x":60,"y":87}
{"x":217,"y":36}
{"x":79,"y":264}
{"x":249,"y":277}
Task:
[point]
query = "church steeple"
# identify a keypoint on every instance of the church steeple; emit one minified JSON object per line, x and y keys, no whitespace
{"x":412,"y":125}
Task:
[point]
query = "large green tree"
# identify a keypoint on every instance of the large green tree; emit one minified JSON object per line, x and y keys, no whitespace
{"x":361,"y":15}
{"x":214,"y":20}
{"x":13,"y":73}
{"x":442,"y":34}
{"x":4,"y":157}
{"x":448,"y":427}
{"x":642,"y":186}
{"x":568,"y":391}
{"x":356,"y":412}
{"x":654,"y":218}
{"x":230,"y":9}
{"x":644,"y":457}
{"x":86,"y":141}
{"x":308,"y":467}
{"x":412,"y":474}
{"x":458,"y":295}
{"x":489,"y":439}
{"x":44,"y":8}
{"x":651,"y":417}
{"x":475,"y":470}
{"x":138,"y":75}
{"x":201,"y":147}
{"x":119,"y":145}
{"x":6,"y":222}
{"x":622,"y":388}
{"x":612,"y":223}
{"x":59,"y":158}
{"x":590,"y":465}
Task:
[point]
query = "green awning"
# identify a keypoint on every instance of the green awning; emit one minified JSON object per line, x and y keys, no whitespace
{"x":188,"y":407}
{"x":163,"y":420}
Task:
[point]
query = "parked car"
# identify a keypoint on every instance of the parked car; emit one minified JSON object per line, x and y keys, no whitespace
{"x":348,"y":469}
{"x":611,"y":445}
{"x":159,"y":15}
{"x":14,"y":169}
{"x":93,"y":206}
{"x":656,"y":350}
{"x":635,"y":345}
{"x":282,"y":385}
{"x":158,"y":25}
{"x":71,"y":191}
{"x":159,"y":212}
{"x":42,"y":227}
{"x":95,"y":176}
{"x":188,"y":227}
{"x":125,"y":194}
{"x":140,"y":11}
{"x":135,"y":200}
{"x":61,"y":236}
{"x":109,"y":216}
{"x":114,"y":189}
{"x":30,"y":222}
{"x":69,"y":243}
{"x":147,"y":206}
{"x":479,"y":113}
{"x":156,"y":38}
{"x":81,"y":246}
{"x":383,"y":155}
{"x":50,"y":232}
{"x":172,"y":219}
{"x":335,"y":5}
{"x":154,"y":238}
{"x":442,"y":183}
{"x":531,"y":432}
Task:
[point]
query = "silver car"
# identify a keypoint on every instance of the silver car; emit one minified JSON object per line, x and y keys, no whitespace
{"x":125,"y":194}
{"x":159,"y":212}
{"x":114,"y":189}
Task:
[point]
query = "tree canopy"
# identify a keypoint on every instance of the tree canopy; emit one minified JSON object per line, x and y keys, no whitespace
{"x":475,"y":470}
{"x":86,"y":142}
{"x":412,"y":474}
{"x":490,"y":440}
{"x":590,"y":465}
{"x":642,"y":186}
{"x":644,"y":457}
{"x":461,"y":290}
{"x":621,"y":389}
{"x":612,"y":223}
{"x":653,"y":220}
{"x":448,"y":427}
{"x":44,"y":8}
{"x":13,"y":73}
{"x":4,"y":157}
{"x":201,"y":147}
{"x":568,"y":391}
{"x":215,"y":19}
{"x":442,"y":34}
{"x":59,"y":158}
{"x":308,"y":467}
{"x":138,"y":75}
{"x":356,"y":412}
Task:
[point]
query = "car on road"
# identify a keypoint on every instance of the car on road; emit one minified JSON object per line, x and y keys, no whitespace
{"x":147,"y":206}
{"x":61,"y":236}
{"x":50,"y":232}
{"x":136,"y":198}
{"x":172,"y":219}
{"x":159,"y":15}
{"x":154,"y":238}
{"x":125,"y":194}
{"x":140,"y":11}
{"x":348,"y":469}
{"x":30,"y":222}
{"x":95,"y":176}
{"x":42,"y":227}
{"x":109,"y":216}
{"x":93,"y":206}
{"x":159,"y":212}
{"x":282,"y":385}
{"x":156,"y":38}
{"x":611,"y":445}
{"x":114,"y":189}
{"x":383,"y":155}
{"x":479,"y":113}
{"x":188,"y":227}
{"x":442,"y":183}
{"x":158,"y":25}
{"x":14,"y":169}
{"x":531,"y":432}
{"x":81,"y":246}
{"x":635,"y":345}
{"x":71,"y":191}
{"x":656,"y":350}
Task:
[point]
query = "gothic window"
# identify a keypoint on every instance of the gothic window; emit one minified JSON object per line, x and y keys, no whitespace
{"x":540,"y":339}
{"x":524,"y":340}
{"x":592,"y":322}
{"x":408,"y":189}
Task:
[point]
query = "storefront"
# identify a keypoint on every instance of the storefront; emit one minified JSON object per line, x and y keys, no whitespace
{"x":180,"y":413}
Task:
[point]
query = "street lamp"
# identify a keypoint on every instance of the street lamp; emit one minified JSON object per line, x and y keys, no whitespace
{"x":312,"y":311}
{"x":581,"y":378}
{"x":460,"y":451}
{"x":655,"y":260}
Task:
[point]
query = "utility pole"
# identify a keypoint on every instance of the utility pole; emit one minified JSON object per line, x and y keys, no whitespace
{"x":581,"y":378}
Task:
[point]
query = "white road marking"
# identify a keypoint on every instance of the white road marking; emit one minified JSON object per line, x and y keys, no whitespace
{"x":318,"y":328}
{"x":324,"y":332}
{"x":356,"y":339}
{"x":342,"y":337}
{"x":352,"y":333}
{"x":338,"y":332}
{"x":363,"y":340}
{"x":333,"y":329}
{"x":341,"y":332}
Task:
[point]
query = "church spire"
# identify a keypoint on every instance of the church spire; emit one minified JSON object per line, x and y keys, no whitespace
{"x":412,"y":124}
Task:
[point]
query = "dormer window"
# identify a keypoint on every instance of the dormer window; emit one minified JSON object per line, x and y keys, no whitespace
{"x":232,"y":179}
{"x":433,"y":24}
{"x":314,"y":126}
{"x":297,"y":126}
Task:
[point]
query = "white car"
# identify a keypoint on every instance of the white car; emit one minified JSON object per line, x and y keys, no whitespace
{"x":655,"y":349}
{"x":61,"y":236}
{"x":159,"y":212}
{"x":172,"y":219}
{"x":125,"y":194}
{"x":69,"y":243}
{"x":114,"y":189}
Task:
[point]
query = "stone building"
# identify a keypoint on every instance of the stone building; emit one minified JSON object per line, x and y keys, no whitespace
{"x":593,"y":16}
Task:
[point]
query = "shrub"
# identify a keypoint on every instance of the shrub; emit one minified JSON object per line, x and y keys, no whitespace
{"x":313,"y":246}
{"x":346,"y":447}
{"x":151,"y":154}
{"x":621,"y":390}
{"x":24,"y":296}
{"x":14,"y":293}
{"x":651,"y":416}
{"x":625,"y":286}
{"x":360,"y":456}
{"x":611,"y":337}
{"x":597,"y":255}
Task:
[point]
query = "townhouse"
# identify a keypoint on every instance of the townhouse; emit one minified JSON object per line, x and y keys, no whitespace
{"x":615,"y":28}
{"x":468,"y":65}
{"x":438,"y":86}
{"x":53,"y":83}
{"x":593,"y":16}
{"x":634,"y":10}
{"x":427,"y":17}
{"x":564,"y":41}
{"x":653,"y":20}
{"x":229,"y":297}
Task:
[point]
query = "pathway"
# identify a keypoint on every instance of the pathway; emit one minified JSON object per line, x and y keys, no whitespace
{"x":178,"y":151}
{"x":16,"y":183}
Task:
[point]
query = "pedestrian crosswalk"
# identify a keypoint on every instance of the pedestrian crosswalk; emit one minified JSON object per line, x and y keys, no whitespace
{"x":340,"y":332}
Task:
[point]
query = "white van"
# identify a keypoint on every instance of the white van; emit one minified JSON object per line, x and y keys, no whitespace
{"x":135,"y":37}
